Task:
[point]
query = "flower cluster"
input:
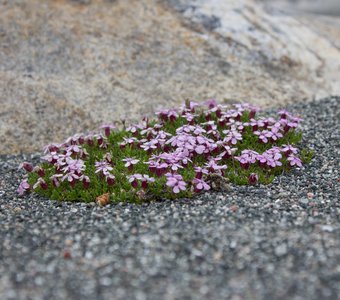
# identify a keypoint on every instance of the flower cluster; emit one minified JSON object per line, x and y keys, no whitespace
{"x":175,"y":155}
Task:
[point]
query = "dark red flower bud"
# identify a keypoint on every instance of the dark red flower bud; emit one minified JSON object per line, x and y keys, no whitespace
{"x":166,"y":148}
{"x":100,"y":140}
{"x":252,"y":114}
{"x":226,"y":155}
{"x":244,"y":165}
{"x":86,"y":184}
{"x":43,"y":185}
{"x":107,"y":131}
{"x":221,"y":123}
{"x":110,"y":181}
{"x":253,"y":178}
{"x":152,"y":169}
{"x":90,"y":142}
{"x":144,"y":185}
{"x":72,"y":183}
{"x":159,"y":172}
{"x":172,"y":118}
{"x":81,"y":140}
{"x":134,"y":184}
{"x":262,"y":164}
{"x":218,"y":113}
{"x":40,"y":171}
{"x":27,"y":166}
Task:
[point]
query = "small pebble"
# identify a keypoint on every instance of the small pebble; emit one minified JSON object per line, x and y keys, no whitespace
{"x":310,"y":195}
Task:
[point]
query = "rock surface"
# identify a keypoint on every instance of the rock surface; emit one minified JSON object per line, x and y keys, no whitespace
{"x":68,"y":66}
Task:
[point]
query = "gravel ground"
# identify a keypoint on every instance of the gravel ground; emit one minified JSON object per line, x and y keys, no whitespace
{"x":279,"y":241}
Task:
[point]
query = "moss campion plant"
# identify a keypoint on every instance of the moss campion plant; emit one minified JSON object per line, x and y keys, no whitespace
{"x":179,"y":154}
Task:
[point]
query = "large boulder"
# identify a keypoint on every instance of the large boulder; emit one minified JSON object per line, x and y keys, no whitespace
{"x":67,"y":66}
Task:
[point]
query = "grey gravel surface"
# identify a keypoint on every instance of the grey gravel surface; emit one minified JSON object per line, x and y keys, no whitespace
{"x":279,"y":241}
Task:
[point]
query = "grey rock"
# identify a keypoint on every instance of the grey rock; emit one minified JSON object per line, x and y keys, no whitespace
{"x":281,"y":250}
{"x":304,"y":201}
{"x":69,"y":66}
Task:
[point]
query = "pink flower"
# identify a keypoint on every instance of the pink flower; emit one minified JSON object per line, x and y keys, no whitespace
{"x":263,"y":160}
{"x":133,"y":179}
{"x":41,"y":182}
{"x":56,"y":179}
{"x":200,"y":171}
{"x":246,"y":158}
{"x":145,"y":179}
{"x":200,"y":185}
{"x":100,"y":140}
{"x":199,"y":149}
{"x":189,"y":117}
{"x":162,"y":135}
{"x":130,"y":162}
{"x":175,"y":181}
{"x":23,"y":187}
{"x":232,"y":136}
{"x":73,"y":149}
{"x":167,"y":114}
{"x":233,"y":114}
{"x":263,"y":135}
{"x":149,"y":146}
{"x":149,"y":132}
{"x":103,"y":167}
{"x":134,"y":128}
{"x":128,"y":141}
{"x":53,"y":157}
{"x":52,"y":148}
{"x":190,"y":129}
{"x":212,"y":167}
{"x":211,"y":103}
{"x":227,"y":151}
{"x":107,"y":128}
{"x":274,"y":153}
{"x":290,"y":123}
{"x":270,"y":158}
{"x":294,"y":161}
{"x":236,"y":125}
{"x":284,"y":114}
{"x":161,"y":168}
{"x":71,"y":178}
{"x":217,"y":110}
{"x":248,"y":107}
{"x":76,"y":166}
{"x":289,"y":149}
{"x":74,"y":140}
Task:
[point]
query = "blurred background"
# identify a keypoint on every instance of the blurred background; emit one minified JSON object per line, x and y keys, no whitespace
{"x":67,"y":66}
{"x":327,"y":7}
